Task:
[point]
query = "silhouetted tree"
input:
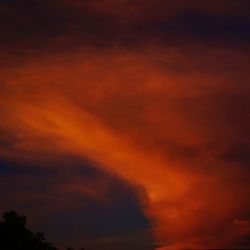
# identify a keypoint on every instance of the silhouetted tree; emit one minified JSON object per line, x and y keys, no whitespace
{"x":14,"y":235}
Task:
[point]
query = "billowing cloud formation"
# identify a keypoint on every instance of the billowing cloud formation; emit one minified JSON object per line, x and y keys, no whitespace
{"x":71,"y":199}
{"x":152,"y":92}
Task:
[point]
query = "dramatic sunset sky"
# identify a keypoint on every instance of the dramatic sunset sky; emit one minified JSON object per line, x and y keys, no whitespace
{"x":125,"y":124}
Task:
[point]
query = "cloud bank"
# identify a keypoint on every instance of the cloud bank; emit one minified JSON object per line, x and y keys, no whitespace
{"x":153,"y":93}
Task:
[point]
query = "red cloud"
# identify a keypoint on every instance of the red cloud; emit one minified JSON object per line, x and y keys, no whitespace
{"x":157,"y":118}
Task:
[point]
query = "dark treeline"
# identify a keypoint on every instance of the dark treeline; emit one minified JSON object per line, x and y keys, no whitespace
{"x":15,"y":236}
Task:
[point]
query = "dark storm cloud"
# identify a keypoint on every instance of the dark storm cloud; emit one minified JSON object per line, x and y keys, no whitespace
{"x":188,"y":26}
{"x":70,"y":199}
{"x":42,"y":24}
{"x":36,"y":24}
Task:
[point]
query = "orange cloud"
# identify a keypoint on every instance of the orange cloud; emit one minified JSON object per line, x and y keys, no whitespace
{"x":159,"y":118}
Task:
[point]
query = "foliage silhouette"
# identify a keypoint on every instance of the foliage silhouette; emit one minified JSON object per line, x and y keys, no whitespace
{"x":15,"y":236}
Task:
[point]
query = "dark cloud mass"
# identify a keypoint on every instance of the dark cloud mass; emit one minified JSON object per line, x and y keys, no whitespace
{"x":59,"y":195}
{"x":35,"y":24}
{"x":125,"y":123}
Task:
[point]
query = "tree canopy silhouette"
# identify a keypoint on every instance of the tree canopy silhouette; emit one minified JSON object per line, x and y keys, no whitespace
{"x":15,"y":236}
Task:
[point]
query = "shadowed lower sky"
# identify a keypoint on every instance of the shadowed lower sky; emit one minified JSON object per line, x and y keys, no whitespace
{"x":125,"y":124}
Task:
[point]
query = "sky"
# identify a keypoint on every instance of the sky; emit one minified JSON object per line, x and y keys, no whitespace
{"x":125,"y":123}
